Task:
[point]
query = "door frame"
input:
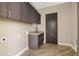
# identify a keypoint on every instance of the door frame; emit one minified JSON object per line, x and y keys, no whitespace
{"x":56,"y":25}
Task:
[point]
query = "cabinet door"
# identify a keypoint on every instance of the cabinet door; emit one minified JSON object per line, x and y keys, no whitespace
{"x":3,"y":9}
{"x":37,"y":17}
{"x":33,"y":41}
{"x":14,"y":10}
{"x":31,"y":14}
{"x":34,"y":16}
{"x":24,"y":12}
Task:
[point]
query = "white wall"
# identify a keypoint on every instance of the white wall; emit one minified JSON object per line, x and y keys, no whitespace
{"x":74,"y":25}
{"x":16,"y":40}
{"x":67,"y":23}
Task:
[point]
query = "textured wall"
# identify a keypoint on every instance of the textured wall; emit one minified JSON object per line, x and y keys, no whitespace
{"x":67,"y":22}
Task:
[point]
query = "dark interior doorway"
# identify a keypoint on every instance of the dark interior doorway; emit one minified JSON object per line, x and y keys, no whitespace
{"x":51,"y":28}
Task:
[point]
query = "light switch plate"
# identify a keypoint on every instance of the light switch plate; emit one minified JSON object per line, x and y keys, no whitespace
{"x":26,"y":33}
{"x":18,"y":36}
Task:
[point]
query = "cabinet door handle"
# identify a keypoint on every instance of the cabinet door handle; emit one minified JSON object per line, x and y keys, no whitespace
{"x":9,"y":13}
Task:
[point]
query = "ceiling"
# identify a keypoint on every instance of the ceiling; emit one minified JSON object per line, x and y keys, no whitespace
{"x":40,"y":5}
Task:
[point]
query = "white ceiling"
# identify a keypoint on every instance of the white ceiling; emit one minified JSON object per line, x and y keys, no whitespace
{"x":40,"y":5}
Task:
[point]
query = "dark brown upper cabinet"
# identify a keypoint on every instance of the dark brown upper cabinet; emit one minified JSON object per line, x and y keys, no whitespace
{"x":3,"y":9}
{"x":19,"y":11}
{"x":29,"y":14}
{"x":14,"y":10}
{"x":34,"y":16}
{"x":37,"y":17}
{"x":24,"y":12}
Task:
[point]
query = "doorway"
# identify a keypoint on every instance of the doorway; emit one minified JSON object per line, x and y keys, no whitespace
{"x":51,"y":28}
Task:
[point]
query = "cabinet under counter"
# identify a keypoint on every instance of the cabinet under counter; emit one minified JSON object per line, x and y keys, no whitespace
{"x":35,"y":40}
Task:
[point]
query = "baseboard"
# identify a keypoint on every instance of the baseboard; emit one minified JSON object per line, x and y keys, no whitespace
{"x":68,"y":45}
{"x":74,"y":48}
{"x":44,"y":41}
{"x":21,"y":52}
